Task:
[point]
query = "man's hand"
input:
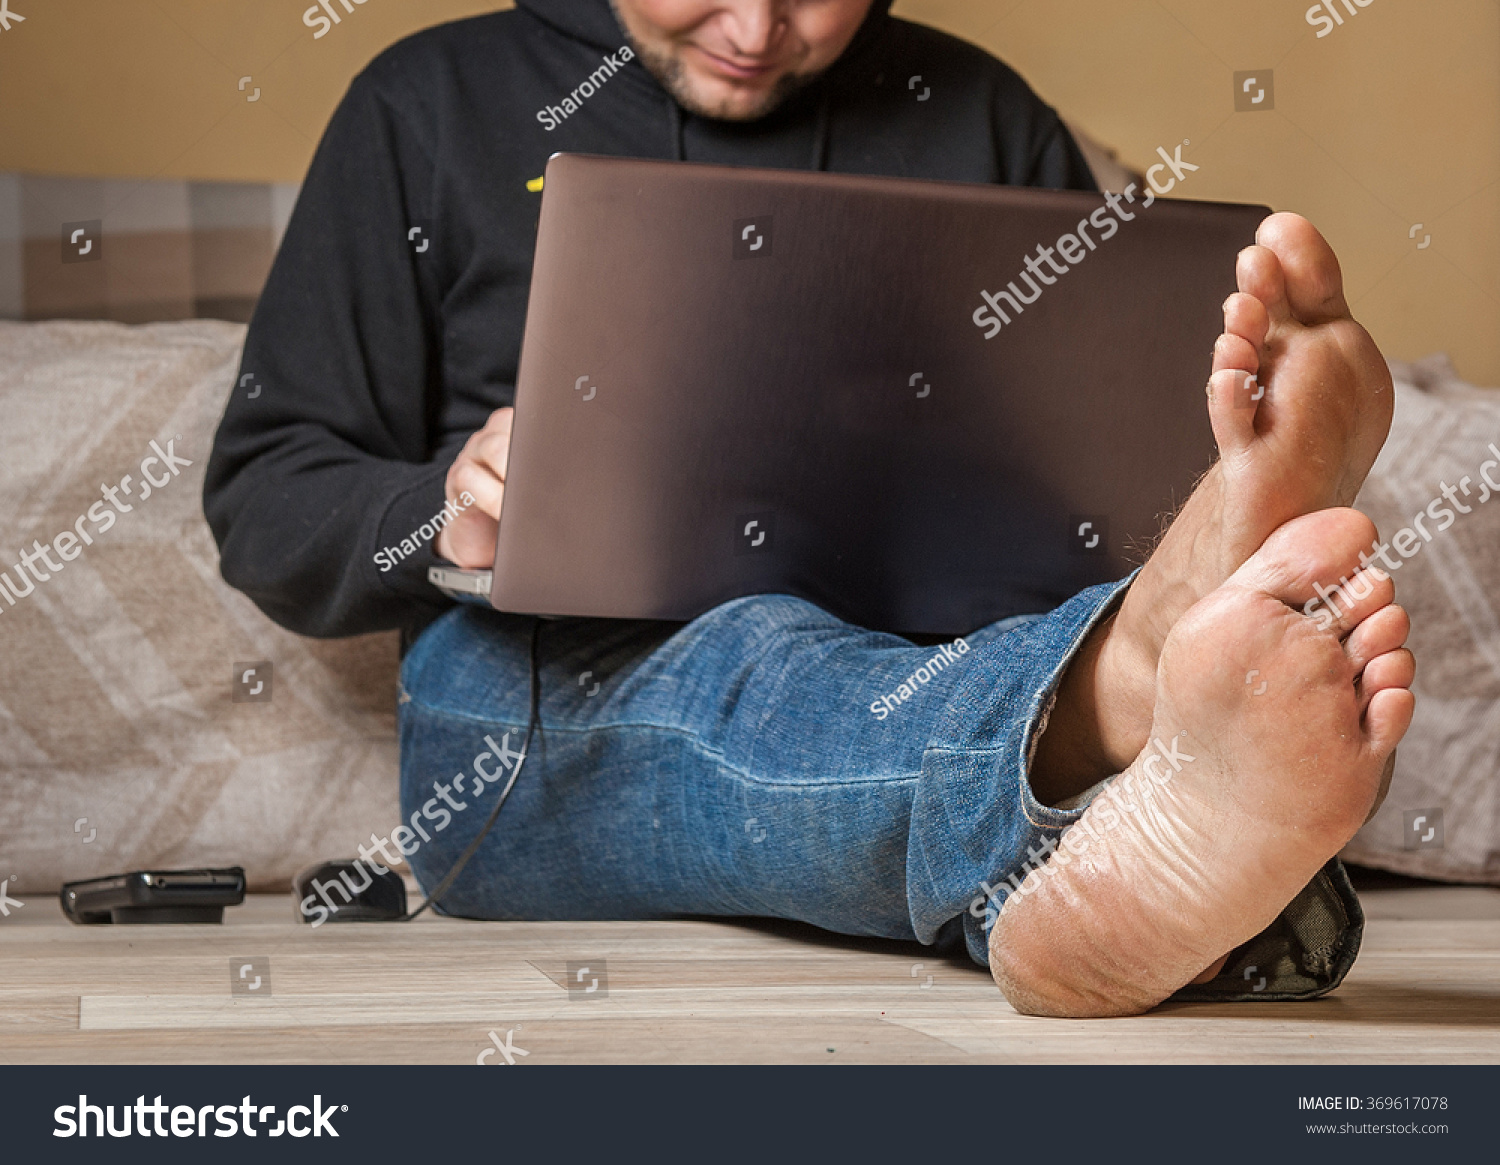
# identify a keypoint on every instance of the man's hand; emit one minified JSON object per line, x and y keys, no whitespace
{"x":469,"y":540}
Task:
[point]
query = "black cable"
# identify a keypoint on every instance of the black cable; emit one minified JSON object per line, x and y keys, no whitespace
{"x":534,"y":721}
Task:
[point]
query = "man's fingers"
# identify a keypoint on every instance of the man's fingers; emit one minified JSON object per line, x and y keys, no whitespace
{"x":492,"y":449}
{"x":483,"y":486}
{"x":481,"y":465}
{"x":480,"y":468}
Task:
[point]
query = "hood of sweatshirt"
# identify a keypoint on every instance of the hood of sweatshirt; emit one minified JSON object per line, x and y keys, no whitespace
{"x":593,"y":23}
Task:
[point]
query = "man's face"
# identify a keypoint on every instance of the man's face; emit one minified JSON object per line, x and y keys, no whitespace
{"x":738,"y":59}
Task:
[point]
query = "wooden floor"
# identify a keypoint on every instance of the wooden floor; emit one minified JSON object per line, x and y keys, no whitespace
{"x":1426,"y":989}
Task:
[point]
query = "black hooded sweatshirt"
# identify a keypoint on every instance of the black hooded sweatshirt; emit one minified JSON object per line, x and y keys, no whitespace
{"x":390,"y":325}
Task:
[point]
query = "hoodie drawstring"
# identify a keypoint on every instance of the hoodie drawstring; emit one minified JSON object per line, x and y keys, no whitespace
{"x":674,"y":121}
{"x":820,"y":134}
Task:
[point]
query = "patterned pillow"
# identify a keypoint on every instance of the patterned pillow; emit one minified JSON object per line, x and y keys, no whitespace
{"x":129,"y":734}
{"x":1442,"y":816}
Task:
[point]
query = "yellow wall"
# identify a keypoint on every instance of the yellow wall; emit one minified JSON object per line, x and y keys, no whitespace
{"x":150,"y":88}
{"x":1392,"y":120}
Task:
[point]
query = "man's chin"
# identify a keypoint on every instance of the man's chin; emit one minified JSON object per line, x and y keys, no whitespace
{"x":715,"y":98}
{"x":708,"y":94}
{"x":726,"y":103}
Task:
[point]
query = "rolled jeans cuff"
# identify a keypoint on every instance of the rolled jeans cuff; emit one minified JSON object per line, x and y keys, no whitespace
{"x":975,"y":820}
{"x":1305,"y":953}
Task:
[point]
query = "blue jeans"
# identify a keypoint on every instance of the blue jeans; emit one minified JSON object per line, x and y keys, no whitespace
{"x":766,"y":759}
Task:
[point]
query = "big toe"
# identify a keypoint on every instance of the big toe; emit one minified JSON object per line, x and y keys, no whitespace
{"x":1313,"y":281}
{"x":1317,"y":549}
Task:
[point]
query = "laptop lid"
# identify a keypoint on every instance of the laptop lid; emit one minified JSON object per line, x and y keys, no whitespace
{"x":739,"y":381}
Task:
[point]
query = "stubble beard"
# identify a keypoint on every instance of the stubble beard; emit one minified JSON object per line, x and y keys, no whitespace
{"x":671,"y":75}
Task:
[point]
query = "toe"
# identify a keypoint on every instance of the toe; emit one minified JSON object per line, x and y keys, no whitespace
{"x":1313,"y":283}
{"x":1366,"y":593}
{"x":1234,"y":393}
{"x":1315,"y":550}
{"x":1387,"y":718}
{"x":1260,"y":277}
{"x":1392,"y":670}
{"x":1246,"y":317}
{"x":1233,"y":400}
{"x":1237,"y":353}
{"x":1383,"y":631}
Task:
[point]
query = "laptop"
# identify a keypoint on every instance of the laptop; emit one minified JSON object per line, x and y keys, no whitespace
{"x":923,"y":406}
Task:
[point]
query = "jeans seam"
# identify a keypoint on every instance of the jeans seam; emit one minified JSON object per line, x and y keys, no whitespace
{"x":694,"y":741}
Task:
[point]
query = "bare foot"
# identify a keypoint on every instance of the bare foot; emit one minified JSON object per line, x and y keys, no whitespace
{"x":1324,"y":409}
{"x":1248,"y":791}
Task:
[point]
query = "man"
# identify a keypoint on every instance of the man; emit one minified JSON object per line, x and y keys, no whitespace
{"x":731,"y":767}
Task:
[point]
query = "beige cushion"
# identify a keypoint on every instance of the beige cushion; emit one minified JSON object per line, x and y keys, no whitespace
{"x":1450,"y":761}
{"x":115,"y":685}
{"x":116,"y":674}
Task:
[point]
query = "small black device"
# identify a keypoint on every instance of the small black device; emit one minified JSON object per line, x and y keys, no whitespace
{"x":333,"y":889}
{"x":154,"y":896}
{"x":383,"y":897}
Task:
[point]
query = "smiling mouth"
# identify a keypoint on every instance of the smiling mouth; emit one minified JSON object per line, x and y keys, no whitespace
{"x":727,"y":68}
